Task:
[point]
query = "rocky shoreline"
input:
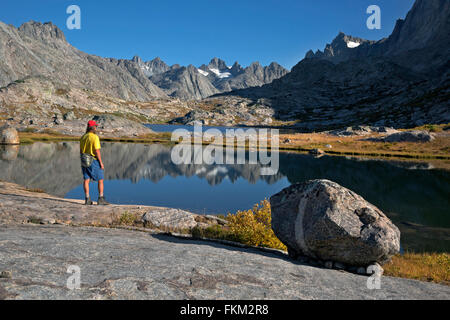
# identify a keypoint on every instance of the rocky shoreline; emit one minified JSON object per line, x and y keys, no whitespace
{"x":19,"y":205}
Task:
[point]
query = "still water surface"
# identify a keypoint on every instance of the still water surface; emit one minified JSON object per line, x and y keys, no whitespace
{"x":415,"y":196}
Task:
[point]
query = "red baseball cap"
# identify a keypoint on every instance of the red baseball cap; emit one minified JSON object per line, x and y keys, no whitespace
{"x":92,"y":123}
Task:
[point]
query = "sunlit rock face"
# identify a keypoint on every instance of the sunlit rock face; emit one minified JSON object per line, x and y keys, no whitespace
{"x":9,"y":136}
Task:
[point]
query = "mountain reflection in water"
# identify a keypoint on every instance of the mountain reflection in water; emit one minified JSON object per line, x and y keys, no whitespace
{"x":418,"y":201}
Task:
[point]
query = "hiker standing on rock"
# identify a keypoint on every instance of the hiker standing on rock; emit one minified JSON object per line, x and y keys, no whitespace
{"x":91,"y":162}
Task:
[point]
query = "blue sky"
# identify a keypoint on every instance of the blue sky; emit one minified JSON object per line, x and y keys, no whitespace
{"x":194,"y":31}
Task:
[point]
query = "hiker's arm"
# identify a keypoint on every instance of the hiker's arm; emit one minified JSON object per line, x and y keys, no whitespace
{"x":99,"y":157}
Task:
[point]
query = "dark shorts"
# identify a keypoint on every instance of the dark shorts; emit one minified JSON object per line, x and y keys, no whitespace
{"x":94,"y":172}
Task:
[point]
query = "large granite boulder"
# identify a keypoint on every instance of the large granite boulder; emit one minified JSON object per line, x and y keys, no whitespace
{"x":9,"y":135}
{"x":326,"y":221}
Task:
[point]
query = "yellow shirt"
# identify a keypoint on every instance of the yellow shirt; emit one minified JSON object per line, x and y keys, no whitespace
{"x":89,"y":143}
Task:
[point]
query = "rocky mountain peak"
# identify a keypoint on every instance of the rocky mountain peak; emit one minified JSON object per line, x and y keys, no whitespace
{"x":191,"y":68}
{"x":427,"y":24}
{"x":150,"y":68}
{"x":343,"y":44}
{"x":157,"y":63}
{"x":254,"y":67}
{"x":42,"y":31}
{"x":137,"y":59}
{"x":309,"y":54}
{"x":217,"y":63}
{"x":274,"y":65}
{"x":236,"y":68}
{"x":343,"y":47}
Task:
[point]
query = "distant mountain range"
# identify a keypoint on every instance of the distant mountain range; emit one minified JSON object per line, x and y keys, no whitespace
{"x":36,"y":49}
{"x":216,"y":77}
{"x":402,"y":80}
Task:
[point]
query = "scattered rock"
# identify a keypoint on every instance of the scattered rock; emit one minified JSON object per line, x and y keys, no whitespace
{"x":9,"y":135}
{"x":409,"y":136}
{"x":170,"y":218}
{"x":339,"y":266}
{"x":57,"y":119}
{"x":48,"y":221}
{"x":361,"y":270}
{"x":69,"y":116}
{"x":385,"y":130}
{"x":361,"y":131}
{"x":324,"y":220}
{"x":268,"y":121}
{"x":5,"y":275}
{"x":218,"y":220}
{"x":316,"y":152}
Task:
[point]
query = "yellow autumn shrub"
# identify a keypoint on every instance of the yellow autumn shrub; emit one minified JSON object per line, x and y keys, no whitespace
{"x":253,"y":227}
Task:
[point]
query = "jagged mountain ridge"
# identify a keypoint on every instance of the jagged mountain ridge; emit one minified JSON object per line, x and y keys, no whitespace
{"x":426,"y":26}
{"x":400,"y":81}
{"x":35,"y":49}
{"x":216,"y":77}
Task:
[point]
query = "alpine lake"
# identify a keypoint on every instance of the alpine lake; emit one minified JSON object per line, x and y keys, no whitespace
{"x":414,"y":195}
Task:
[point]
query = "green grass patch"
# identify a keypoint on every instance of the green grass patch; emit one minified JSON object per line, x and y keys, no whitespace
{"x":127,"y":219}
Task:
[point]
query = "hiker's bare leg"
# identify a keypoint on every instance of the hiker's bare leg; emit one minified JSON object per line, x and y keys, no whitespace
{"x":86,"y":188}
{"x":100,"y":188}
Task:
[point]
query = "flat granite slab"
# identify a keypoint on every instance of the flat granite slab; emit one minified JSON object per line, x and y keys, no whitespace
{"x":123,"y":264}
{"x":21,"y":205}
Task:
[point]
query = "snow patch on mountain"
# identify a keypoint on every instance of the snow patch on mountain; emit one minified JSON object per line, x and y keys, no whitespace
{"x":219,"y":74}
{"x":203,"y":72}
{"x":352,"y":44}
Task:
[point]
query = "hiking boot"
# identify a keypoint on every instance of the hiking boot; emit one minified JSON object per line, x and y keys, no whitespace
{"x":88,"y":202}
{"x":102,"y":202}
